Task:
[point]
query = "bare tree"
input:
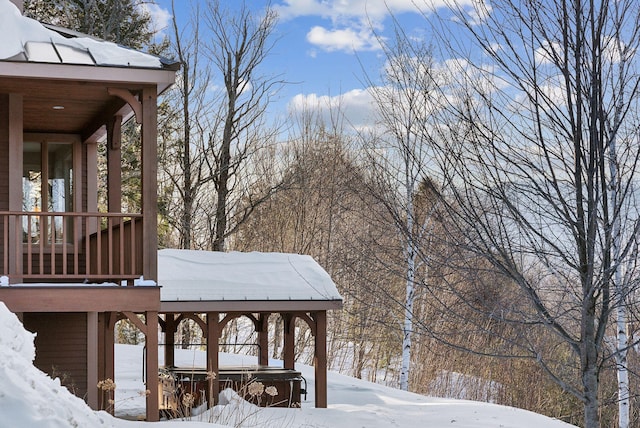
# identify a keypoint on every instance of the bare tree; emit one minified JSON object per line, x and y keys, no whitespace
{"x":398,"y":160}
{"x":240,"y":42}
{"x":541,"y":125}
{"x":183,"y":138}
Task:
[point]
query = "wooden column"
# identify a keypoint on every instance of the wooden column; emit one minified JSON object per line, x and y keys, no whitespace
{"x":15,"y":184}
{"x":149,"y":184}
{"x":213,"y":362}
{"x":153,"y":409}
{"x":263,"y":339}
{"x":109,"y":340}
{"x":114,"y":164}
{"x":169,"y":339}
{"x":320,"y":358}
{"x":92,"y":359}
{"x":289,"y":340}
{"x":106,"y":369}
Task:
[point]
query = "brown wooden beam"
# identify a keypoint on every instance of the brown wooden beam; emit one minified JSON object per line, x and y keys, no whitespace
{"x":320,"y":358}
{"x":153,"y":410}
{"x":213,"y":363}
{"x":289,"y":340}
{"x":93,"y":350}
{"x":16,"y":116}
{"x":169,"y":339}
{"x":142,"y":326}
{"x":243,"y":306}
{"x":114,"y":164}
{"x":263,"y":339}
{"x":95,"y":129}
{"x":130,"y":99}
{"x":150,"y":183}
{"x":109,"y":349}
{"x":80,"y":298}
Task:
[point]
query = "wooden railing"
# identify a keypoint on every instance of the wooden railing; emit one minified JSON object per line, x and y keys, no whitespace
{"x":70,"y":246}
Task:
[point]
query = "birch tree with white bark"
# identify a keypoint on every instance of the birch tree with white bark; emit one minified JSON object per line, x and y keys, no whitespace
{"x":398,"y":154}
{"x":544,"y":155}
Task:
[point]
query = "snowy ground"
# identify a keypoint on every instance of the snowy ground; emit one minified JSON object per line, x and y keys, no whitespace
{"x":29,"y":398}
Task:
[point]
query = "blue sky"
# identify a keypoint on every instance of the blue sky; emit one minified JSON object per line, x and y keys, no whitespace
{"x":324,"y":46}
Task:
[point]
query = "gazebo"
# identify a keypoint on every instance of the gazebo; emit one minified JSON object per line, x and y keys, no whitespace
{"x":225,"y":286}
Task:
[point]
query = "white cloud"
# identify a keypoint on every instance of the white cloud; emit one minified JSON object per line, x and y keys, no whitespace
{"x":347,"y":40}
{"x":354,"y":21}
{"x":160,"y":17}
{"x":373,"y":11}
{"x":357,"y":106}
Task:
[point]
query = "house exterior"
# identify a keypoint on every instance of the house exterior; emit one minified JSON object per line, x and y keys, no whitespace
{"x":69,"y":268}
{"x":70,"y":271}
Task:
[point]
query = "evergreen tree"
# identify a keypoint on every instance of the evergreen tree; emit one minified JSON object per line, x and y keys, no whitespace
{"x":121,"y":21}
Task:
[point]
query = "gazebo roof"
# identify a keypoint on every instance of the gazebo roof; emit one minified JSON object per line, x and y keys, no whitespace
{"x":216,"y":281}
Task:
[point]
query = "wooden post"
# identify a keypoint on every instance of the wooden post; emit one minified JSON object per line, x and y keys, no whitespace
{"x":320,"y":358}
{"x":149,"y":183}
{"x":114,"y":165}
{"x":213,"y":362}
{"x":92,"y":359}
{"x":263,"y":339}
{"x":109,"y":350}
{"x":169,"y":340}
{"x":15,"y":184}
{"x":153,"y":408}
{"x":289,"y":340}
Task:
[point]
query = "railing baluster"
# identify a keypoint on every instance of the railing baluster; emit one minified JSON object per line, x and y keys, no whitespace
{"x":29,"y":243}
{"x":33,"y":243}
{"x":5,"y":245}
{"x":42,"y":230}
{"x":76,"y":244}
{"x":133,"y":244}
{"x":52,"y":228}
{"x":98,"y":255}
{"x":110,"y":247}
{"x":121,"y":242}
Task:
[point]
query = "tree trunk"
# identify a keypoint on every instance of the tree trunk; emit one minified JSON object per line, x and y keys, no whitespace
{"x":589,"y":363}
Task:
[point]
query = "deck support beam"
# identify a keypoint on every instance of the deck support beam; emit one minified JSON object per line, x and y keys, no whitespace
{"x":150,"y":183}
{"x":263,"y":338}
{"x":213,"y":362}
{"x":289,"y":340}
{"x":153,"y":409}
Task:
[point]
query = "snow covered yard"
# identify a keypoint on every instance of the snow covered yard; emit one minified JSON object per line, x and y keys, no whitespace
{"x":29,"y":398}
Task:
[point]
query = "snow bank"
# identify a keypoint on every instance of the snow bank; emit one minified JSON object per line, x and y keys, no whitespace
{"x":30,"y":398}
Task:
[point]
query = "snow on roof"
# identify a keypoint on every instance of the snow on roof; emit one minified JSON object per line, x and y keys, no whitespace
{"x":25,"y":39}
{"x":189,"y":275}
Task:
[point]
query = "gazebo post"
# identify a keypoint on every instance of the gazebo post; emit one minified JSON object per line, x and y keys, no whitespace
{"x":213,"y":363}
{"x":169,"y":340}
{"x":263,"y":339}
{"x":289,"y":340}
{"x":320,"y":358}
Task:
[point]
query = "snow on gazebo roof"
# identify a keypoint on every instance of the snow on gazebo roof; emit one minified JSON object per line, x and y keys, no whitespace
{"x":208,"y":276}
{"x":27,"y":40}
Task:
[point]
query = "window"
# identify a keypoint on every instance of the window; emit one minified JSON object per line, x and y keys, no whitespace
{"x":48,"y":187}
